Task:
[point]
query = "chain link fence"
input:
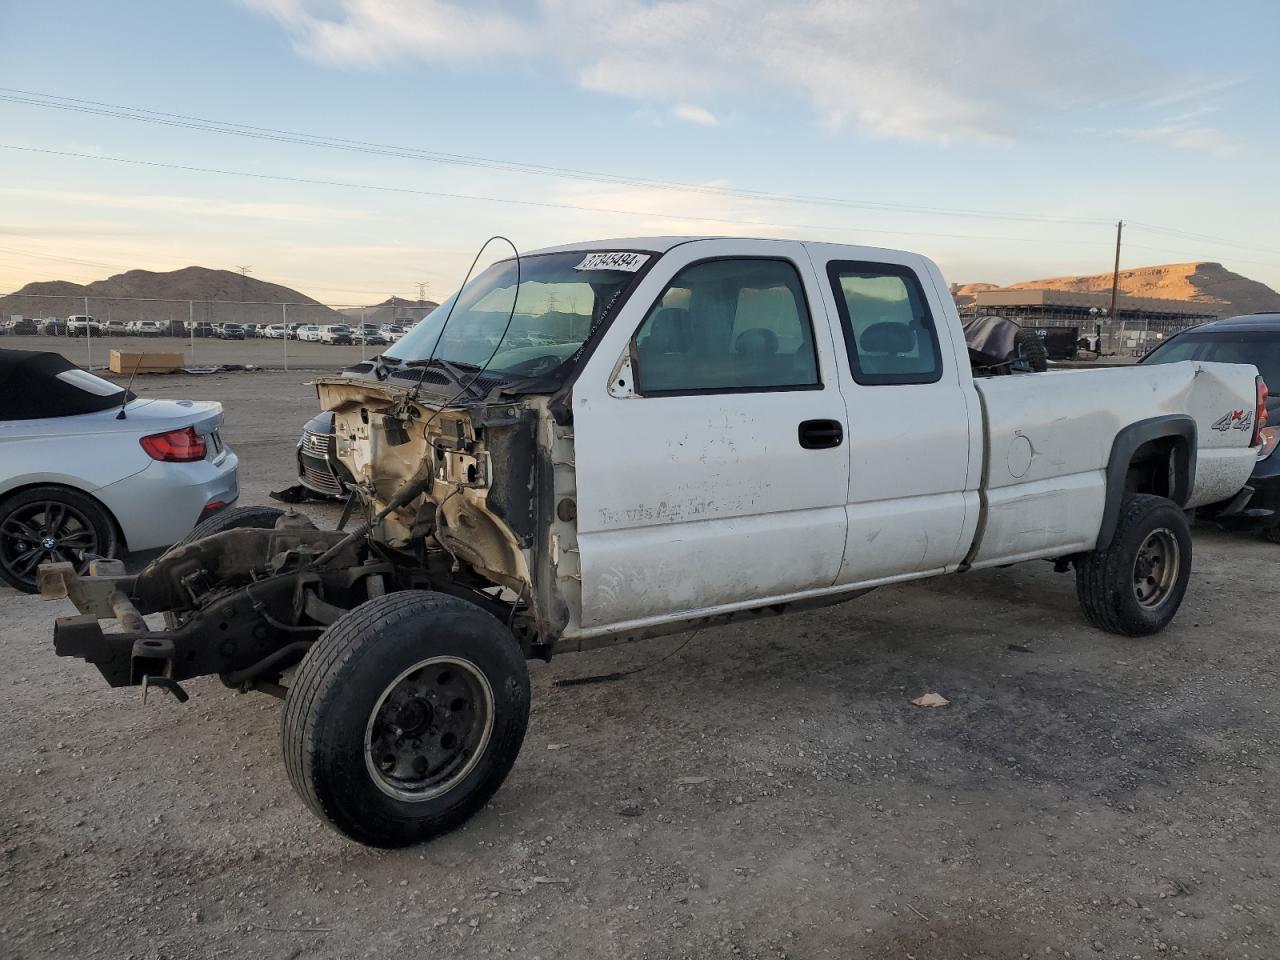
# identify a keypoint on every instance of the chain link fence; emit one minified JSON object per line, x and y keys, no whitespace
{"x":208,"y":333}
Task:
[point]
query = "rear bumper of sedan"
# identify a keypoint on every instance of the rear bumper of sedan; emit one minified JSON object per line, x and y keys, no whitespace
{"x":158,"y":506}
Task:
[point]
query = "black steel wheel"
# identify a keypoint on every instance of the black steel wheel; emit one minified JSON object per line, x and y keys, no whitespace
{"x":51,"y":525}
{"x":429,"y":728}
{"x":1134,"y":585}
{"x":405,"y":717}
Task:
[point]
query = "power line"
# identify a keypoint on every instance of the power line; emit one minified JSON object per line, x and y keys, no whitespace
{"x":1186,"y":235}
{"x":543,"y":204}
{"x":186,"y":121}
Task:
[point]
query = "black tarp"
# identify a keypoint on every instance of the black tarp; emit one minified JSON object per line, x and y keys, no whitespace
{"x":35,"y":384}
{"x":993,"y":337}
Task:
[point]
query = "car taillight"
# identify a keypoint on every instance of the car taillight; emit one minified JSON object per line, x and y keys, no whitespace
{"x":175,"y":446}
{"x":1270,"y":440}
{"x":1261,"y":419}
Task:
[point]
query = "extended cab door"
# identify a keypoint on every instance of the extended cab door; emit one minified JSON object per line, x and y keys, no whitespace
{"x":915,"y":428}
{"x":709,"y":436}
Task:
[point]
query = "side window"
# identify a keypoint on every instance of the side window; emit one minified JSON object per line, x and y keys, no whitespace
{"x":888,"y":328}
{"x":727,"y":325}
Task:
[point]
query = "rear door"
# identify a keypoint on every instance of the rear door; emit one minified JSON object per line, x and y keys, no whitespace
{"x":709,"y":435}
{"x":915,"y":428}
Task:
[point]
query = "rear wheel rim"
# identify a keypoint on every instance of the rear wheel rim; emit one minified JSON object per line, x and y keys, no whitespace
{"x":45,"y":531}
{"x":429,"y":728}
{"x":1156,"y":568}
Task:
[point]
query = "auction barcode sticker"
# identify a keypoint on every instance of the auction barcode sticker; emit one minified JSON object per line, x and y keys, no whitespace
{"x":614,"y":260}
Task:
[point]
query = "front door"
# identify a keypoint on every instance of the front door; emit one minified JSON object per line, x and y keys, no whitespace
{"x":712,"y":472}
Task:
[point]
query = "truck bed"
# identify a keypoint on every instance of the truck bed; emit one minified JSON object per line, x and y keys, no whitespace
{"x":1049,"y":438}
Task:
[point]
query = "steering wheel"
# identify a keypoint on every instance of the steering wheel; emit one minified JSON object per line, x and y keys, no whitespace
{"x":536,"y":366}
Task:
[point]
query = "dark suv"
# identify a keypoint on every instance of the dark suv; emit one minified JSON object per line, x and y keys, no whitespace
{"x":1251,"y":339}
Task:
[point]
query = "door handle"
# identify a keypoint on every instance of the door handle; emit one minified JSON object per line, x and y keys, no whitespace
{"x":820,"y":434}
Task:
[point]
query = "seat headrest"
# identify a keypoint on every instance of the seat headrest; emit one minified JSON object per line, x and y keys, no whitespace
{"x":756,"y":342}
{"x":887,"y":337}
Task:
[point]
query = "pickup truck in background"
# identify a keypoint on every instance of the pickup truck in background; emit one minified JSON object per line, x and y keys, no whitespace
{"x":615,"y":440}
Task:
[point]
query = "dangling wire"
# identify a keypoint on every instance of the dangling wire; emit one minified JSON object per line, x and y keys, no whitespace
{"x":466,"y":387}
{"x":622,"y":674}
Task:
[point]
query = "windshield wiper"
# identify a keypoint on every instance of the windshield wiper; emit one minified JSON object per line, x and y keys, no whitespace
{"x":466,"y":382}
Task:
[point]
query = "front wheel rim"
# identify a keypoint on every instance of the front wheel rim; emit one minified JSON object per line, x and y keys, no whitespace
{"x":429,"y":728}
{"x":1156,"y":568}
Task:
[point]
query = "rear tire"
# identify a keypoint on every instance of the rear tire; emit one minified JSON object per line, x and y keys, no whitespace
{"x":405,"y":717}
{"x":1134,"y":585}
{"x":51,"y":524}
{"x":1272,"y":533}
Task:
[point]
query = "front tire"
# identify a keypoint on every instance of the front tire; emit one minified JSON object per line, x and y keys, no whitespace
{"x":405,"y":717}
{"x":233,"y":518}
{"x":1135,"y":585}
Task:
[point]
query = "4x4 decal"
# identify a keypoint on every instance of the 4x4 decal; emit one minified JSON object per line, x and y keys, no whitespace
{"x":1236,"y":419}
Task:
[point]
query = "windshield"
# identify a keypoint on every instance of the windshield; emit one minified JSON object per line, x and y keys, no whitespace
{"x":1259,"y":347}
{"x":561,"y":299}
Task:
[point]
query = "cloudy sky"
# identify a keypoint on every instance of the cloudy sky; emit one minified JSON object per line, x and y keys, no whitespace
{"x":352,"y":148}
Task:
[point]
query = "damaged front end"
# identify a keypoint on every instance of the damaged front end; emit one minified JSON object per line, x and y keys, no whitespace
{"x":453,"y":500}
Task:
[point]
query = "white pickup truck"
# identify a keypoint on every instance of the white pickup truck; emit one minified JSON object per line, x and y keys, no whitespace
{"x":614,"y":440}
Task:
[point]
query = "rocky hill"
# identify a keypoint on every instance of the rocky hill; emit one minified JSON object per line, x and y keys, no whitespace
{"x":218,"y":296}
{"x":1200,"y":282}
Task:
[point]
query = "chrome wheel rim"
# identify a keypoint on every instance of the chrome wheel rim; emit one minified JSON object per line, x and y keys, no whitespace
{"x":46,"y":531}
{"x":429,"y":728}
{"x":1156,"y":568}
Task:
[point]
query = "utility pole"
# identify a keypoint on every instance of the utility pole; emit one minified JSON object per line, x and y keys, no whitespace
{"x":1115,"y":276}
{"x":422,"y":290}
{"x":245,"y":269}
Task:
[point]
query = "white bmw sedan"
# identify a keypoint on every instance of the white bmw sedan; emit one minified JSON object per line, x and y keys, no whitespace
{"x":89,"y":470}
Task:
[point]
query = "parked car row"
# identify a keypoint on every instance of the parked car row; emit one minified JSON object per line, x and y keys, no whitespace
{"x":81,"y":325}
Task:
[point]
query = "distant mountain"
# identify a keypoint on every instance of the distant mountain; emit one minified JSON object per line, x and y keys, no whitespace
{"x":1201,"y":282}
{"x":397,"y":310}
{"x":217,"y":296}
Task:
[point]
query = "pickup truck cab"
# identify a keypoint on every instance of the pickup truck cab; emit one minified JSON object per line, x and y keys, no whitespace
{"x":637,"y":437}
{"x":335,"y":333}
{"x":82,"y":325}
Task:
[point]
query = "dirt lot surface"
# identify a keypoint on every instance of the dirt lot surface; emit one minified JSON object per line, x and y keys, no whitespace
{"x":768,"y":791}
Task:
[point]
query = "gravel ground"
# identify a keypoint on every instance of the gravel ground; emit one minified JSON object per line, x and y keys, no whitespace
{"x":768,"y":791}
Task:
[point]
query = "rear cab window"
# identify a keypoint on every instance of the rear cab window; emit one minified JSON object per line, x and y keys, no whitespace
{"x":888,"y":328}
